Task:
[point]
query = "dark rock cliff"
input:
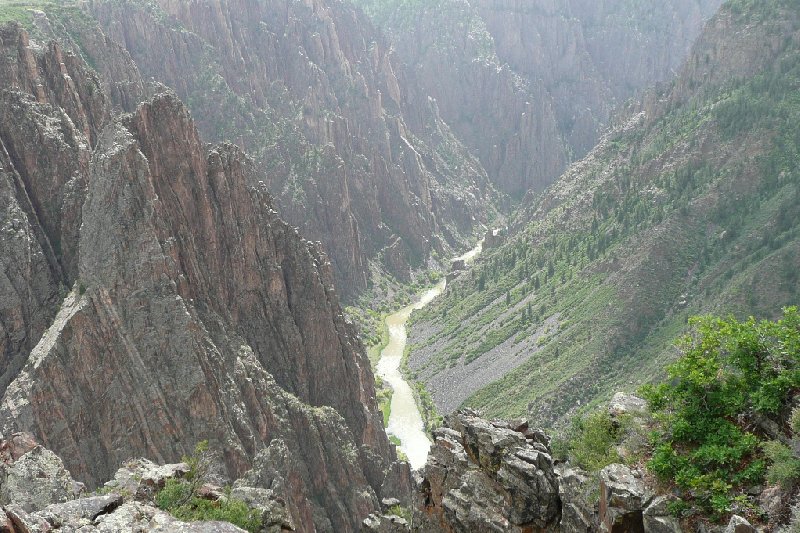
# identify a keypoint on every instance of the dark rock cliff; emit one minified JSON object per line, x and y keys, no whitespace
{"x":354,"y":155}
{"x":192,"y":311}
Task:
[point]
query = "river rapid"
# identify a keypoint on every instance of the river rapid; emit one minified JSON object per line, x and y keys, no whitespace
{"x":405,"y":420}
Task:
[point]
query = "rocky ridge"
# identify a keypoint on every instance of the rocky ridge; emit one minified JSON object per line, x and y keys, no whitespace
{"x":153,"y":298}
{"x":497,"y":475}
{"x":39,"y":495}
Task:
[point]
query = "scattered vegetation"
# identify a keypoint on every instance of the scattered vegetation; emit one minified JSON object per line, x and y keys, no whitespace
{"x":646,"y":232}
{"x":180,"y":497}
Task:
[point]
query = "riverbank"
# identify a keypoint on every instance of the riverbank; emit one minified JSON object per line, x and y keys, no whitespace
{"x":406,"y":421}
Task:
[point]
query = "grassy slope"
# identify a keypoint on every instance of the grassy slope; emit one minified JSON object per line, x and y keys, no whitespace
{"x":696,"y":209}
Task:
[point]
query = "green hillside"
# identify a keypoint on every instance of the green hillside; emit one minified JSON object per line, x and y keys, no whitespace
{"x":691,"y":205}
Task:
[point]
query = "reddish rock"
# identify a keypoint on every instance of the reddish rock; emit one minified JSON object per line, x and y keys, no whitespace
{"x":196,"y":312}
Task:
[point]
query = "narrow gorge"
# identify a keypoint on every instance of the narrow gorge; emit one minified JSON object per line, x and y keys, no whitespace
{"x":227,"y":298}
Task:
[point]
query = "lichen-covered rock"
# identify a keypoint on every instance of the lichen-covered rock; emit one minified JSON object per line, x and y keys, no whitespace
{"x":385,"y":524}
{"x":485,"y":476}
{"x":623,"y":403}
{"x":578,"y":511}
{"x":738,"y":524}
{"x":658,"y":519}
{"x":142,"y":478}
{"x":31,"y":476}
{"x":107,"y":514}
{"x":275,"y":517}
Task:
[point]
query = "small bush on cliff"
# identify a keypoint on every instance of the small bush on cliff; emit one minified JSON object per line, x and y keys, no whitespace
{"x":594,"y":440}
{"x":729,"y":372}
{"x":180,"y":498}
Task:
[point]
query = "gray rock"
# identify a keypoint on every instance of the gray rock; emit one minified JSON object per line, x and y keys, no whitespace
{"x":274,"y":515}
{"x":623,"y":498}
{"x":737,"y":524}
{"x":389,"y":502}
{"x":484,"y":476}
{"x":141,"y":478}
{"x":661,"y":524}
{"x":397,"y":483}
{"x":578,"y":513}
{"x":771,"y":501}
{"x":385,"y":524}
{"x":623,"y":403}
{"x":35,"y":479}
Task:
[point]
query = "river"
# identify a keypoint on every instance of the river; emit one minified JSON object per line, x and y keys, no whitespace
{"x":405,"y":420}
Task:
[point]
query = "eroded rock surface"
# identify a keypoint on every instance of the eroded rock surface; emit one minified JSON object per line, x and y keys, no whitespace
{"x":156,"y":299}
{"x":487,"y":476}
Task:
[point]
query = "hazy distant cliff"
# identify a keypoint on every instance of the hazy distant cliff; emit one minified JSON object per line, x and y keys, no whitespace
{"x":352,"y":154}
{"x":530,"y":85}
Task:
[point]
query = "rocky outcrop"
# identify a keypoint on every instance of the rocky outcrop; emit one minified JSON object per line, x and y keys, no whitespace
{"x":487,"y":476}
{"x":31,"y":476}
{"x":499,"y":476}
{"x":36,"y":497}
{"x":193,"y":311}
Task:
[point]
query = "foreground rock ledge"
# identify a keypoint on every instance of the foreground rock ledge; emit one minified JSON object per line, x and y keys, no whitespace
{"x":487,"y":476}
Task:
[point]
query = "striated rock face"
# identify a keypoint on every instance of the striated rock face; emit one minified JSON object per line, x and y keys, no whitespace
{"x":194,"y":312}
{"x":487,"y":476}
{"x":50,"y":112}
{"x":353,"y":154}
{"x":529,"y":85}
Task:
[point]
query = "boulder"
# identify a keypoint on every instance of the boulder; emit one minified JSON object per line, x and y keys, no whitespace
{"x":32,"y":476}
{"x":274,"y":515}
{"x":657,"y":518}
{"x":623,"y":403}
{"x":771,"y":502}
{"x":385,"y":524}
{"x":623,"y":498}
{"x":142,"y":478}
{"x":737,"y":524}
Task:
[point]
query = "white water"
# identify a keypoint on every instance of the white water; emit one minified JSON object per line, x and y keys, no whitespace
{"x":405,"y":420}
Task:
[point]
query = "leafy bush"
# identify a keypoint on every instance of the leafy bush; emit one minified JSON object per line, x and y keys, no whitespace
{"x":594,"y":440}
{"x":728,"y":370}
{"x":785,"y":467}
{"x":179,"y":497}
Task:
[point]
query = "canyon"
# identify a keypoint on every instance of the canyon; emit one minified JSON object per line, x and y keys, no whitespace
{"x":192,"y":191}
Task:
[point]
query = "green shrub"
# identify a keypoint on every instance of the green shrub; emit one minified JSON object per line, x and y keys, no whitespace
{"x":785,"y":467}
{"x":402,"y":512}
{"x":728,"y":369}
{"x":179,"y":497}
{"x":594,"y":441}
